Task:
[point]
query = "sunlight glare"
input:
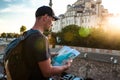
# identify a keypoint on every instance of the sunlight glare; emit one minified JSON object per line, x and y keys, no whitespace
{"x":115,"y":22}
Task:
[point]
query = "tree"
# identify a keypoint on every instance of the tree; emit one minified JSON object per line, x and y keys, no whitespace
{"x":52,"y":40}
{"x":69,"y":35}
{"x":23,"y":29}
{"x":74,"y":35}
{"x":16,"y":35}
{"x":3,"y":35}
{"x":10,"y":35}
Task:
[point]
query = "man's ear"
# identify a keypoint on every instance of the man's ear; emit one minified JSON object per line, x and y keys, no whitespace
{"x":45,"y":17}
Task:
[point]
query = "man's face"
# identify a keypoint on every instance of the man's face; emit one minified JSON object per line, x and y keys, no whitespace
{"x":48,"y":24}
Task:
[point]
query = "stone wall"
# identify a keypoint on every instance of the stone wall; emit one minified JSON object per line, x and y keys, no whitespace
{"x":99,"y":64}
{"x":95,"y":50}
{"x":96,"y":70}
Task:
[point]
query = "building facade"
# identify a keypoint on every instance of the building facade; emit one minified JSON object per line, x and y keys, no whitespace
{"x":84,"y":13}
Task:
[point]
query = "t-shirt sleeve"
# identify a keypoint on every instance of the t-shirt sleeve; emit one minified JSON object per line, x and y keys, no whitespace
{"x":38,"y":47}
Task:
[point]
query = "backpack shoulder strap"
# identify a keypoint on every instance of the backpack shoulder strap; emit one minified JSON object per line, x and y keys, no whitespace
{"x":28,"y":33}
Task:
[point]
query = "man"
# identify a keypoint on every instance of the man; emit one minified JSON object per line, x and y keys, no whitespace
{"x":37,"y":54}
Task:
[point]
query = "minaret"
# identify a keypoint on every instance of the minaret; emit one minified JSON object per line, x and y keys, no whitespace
{"x":50,"y":4}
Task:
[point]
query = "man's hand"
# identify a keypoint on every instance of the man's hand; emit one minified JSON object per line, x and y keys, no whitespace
{"x":68,"y":63}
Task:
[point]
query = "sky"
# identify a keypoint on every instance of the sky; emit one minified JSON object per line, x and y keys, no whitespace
{"x":15,"y":13}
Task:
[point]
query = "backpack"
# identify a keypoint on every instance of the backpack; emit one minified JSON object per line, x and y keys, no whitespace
{"x":14,"y":61}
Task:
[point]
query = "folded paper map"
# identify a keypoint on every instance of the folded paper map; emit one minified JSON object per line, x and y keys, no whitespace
{"x":64,"y":54}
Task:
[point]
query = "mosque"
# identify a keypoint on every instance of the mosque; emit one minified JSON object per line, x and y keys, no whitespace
{"x":84,"y":13}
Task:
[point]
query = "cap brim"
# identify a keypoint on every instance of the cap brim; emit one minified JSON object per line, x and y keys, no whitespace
{"x":55,"y":18}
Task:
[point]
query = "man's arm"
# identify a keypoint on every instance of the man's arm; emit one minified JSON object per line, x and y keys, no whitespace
{"x":49,"y":70}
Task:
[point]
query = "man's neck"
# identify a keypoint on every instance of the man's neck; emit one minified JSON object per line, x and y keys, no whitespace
{"x":39,"y":25}
{"x":38,"y":28}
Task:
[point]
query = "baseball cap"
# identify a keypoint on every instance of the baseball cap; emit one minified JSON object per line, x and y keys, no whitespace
{"x":45,"y":10}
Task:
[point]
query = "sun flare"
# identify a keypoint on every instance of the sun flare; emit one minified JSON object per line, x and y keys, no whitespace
{"x":115,"y":22}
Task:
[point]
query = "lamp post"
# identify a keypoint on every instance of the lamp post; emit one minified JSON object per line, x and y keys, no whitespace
{"x":87,"y":66}
{"x":58,"y":39}
{"x":114,"y":67}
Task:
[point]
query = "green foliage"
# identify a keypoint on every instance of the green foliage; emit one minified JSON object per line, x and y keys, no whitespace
{"x":3,"y":35}
{"x":84,"y":32}
{"x":69,"y":35}
{"x":9,"y":35}
{"x":52,"y":39}
{"x":74,"y":35}
{"x":46,"y":32}
{"x":22,"y":29}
